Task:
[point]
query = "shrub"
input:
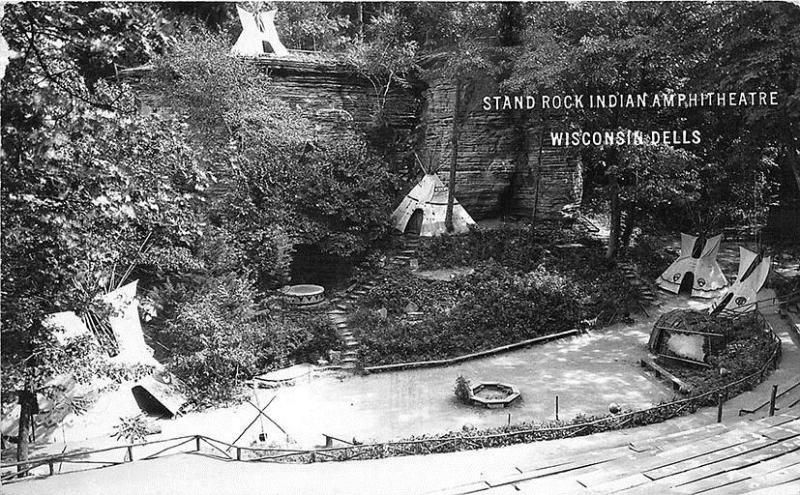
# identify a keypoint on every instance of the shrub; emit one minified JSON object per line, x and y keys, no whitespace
{"x":513,"y":247}
{"x":489,"y":308}
{"x":132,"y":429}
{"x":463,"y":389}
{"x":219,"y":338}
{"x":521,"y":288}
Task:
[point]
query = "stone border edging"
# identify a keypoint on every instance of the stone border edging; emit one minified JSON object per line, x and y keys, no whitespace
{"x":447,"y":362}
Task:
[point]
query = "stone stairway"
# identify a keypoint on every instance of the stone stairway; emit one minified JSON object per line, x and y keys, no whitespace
{"x":338,"y":317}
{"x":719,"y":458}
{"x":648,"y":296}
{"x":344,"y":303}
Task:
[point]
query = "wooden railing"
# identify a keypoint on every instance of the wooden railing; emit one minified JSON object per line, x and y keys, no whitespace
{"x":447,"y":442}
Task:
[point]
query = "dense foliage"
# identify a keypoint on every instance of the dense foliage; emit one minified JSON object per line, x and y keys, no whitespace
{"x":629,"y":49}
{"x":522,"y":288}
{"x":203,"y":202}
{"x":272,"y":170}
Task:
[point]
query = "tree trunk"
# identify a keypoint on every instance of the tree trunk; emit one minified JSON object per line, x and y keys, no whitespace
{"x":537,"y":177}
{"x":791,"y":166}
{"x":360,"y":12}
{"x":627,"y":231}
{"x":27,"y":403}
{"x":616,"y":219}
{"x":451,"y":187}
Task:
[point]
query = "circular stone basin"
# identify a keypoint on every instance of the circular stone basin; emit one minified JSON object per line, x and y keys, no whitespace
{"x":493,"y":395}
{"x":304,"y":295}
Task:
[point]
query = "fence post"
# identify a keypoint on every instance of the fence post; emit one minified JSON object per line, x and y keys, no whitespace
{"x":556,"y":408}
{"x":50,"y":465}
{"x":238,"y":454}
{"x":197,"y":443}
{"x":719,"y":407}
{"x":772,"y":400}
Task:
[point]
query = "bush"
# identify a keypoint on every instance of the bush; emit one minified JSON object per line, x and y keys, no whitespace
{"x":463,"y":389}
{"x":276,"y":183}
{"x":521,"y":288}
{"x":132,"y":429}
{"x":649,"y":256}
{"x":513,"y":247}
{"x":489,"y":308}
{"x":219,"y":338}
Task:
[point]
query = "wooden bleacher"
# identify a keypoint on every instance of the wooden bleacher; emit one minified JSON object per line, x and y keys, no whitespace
{"x":741,"y":457}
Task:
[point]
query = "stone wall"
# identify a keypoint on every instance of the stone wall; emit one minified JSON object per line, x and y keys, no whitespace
{"x":336,"y":99}
{"x":498,"y":157}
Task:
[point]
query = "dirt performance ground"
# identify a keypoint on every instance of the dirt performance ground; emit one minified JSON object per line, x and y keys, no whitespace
{"x":587,"y":372}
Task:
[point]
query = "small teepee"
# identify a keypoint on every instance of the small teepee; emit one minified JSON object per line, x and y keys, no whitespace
{"x":696,"y":270}
{"x":257,"y":28}
{"x":424,"y":208}
{"x":741,"y":296}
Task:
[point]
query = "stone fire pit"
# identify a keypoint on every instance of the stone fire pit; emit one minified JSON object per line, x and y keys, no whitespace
{"x":493,"y":395}
{"x":304,"y":295}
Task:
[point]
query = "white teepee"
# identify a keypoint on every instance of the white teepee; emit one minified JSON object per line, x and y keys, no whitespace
{"x":425,"y":208}
{"x":707,"y":277}
{"x":257,"y":28}
{"x":742,"y":294}
{"x":127,"y":329}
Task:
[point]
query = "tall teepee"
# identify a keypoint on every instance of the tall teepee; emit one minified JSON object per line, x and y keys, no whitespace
{"x":696,"y":269}
{"x":741,"y":296}
{"x":424,"y":209}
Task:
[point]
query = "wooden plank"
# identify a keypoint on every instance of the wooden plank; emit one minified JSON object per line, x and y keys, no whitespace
{"x":722,"y":481}
{"x":647,"y":489}
{"x":789,"y":488}
{"x":780,"y":433}
{"x":778,"y":420}
{"x":734,"y":463}
{"x":699,"y":462}
{"x":677,"y":383}
{"x":625,"y":483}
{"x":663,"y":460}
{"x":773,"y":482}
{"x":503,"y":490}
{"x":540,"y":473}
{"x":550,"y":486}
{"x":586,"y":459}
{"x":773,"y":470}
{"x":693,"y":434}
{"x":475,"y":487}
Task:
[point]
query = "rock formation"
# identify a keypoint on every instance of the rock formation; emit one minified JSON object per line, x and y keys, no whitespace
{"x":499,"y":157}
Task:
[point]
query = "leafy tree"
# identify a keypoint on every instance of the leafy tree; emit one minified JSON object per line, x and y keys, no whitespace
{"x":604,"y":49}
{"x":468,"y":58}
{"x":313,"y":25}
{"x":756,"y":47}
{"x":271,"y":173}
{"x":84,"y":180}
{"x":388,"y":58}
